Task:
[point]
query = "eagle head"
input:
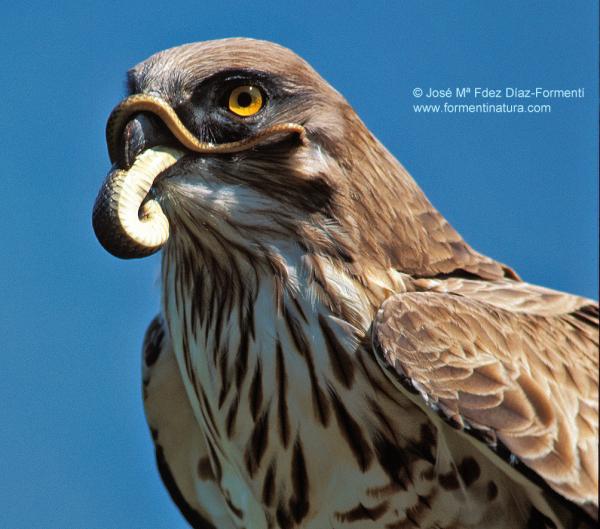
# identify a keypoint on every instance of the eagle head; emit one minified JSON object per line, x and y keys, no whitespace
{"x":238,"y":145}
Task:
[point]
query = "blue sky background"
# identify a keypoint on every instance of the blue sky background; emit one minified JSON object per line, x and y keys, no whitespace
{"x":74,"y":448}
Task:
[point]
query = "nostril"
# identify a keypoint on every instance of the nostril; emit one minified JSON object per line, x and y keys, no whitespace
{"x":143,"y":131}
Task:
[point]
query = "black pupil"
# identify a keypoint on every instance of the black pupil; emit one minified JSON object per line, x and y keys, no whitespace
{"x":244,"y":99}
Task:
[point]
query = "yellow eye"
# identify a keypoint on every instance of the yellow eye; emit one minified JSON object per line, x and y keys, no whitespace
{"x":245,"y":100}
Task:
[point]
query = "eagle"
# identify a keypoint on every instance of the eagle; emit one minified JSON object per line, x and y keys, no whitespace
{"x":330,"y":353}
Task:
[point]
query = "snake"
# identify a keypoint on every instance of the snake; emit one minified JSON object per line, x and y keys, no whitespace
{"x":126,"y":222}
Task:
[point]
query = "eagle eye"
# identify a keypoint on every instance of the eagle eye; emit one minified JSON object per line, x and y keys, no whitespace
{"x":245,"y":100}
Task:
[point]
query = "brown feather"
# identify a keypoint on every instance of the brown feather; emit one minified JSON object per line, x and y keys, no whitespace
{"x":500,"y":333}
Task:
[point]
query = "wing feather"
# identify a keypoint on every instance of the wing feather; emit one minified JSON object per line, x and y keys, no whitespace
{"x":506,"y":358}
